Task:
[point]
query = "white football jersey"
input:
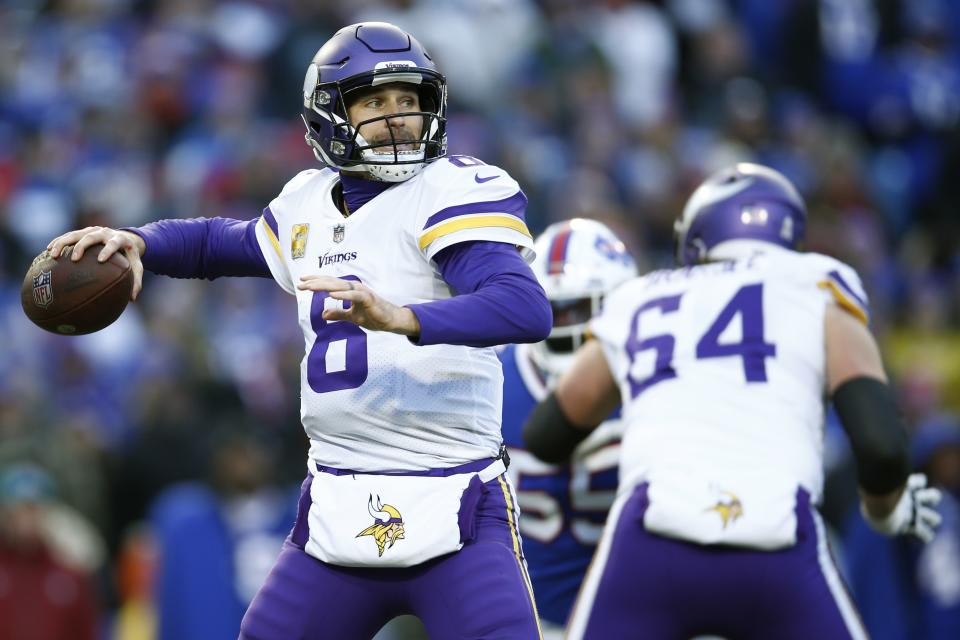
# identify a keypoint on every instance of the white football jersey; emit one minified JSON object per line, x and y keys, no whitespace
{"x":746,"y":340}
{"x":372,"y":400}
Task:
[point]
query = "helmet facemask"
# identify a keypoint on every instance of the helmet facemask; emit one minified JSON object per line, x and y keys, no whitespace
{"x":571,"y":319}
{"x":338,"y":143}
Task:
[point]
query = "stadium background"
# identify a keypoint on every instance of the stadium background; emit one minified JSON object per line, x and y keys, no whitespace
{"x":116,"y":112}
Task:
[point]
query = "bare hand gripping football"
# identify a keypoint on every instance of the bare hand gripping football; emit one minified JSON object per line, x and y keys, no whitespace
{"x":74,"y":297}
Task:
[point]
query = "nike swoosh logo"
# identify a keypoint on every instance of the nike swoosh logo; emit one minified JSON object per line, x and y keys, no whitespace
{"x":487,"y":179}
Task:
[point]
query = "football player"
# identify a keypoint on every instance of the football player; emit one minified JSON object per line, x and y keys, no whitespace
{"x":723,"y":367}
{"x":408,"y":265}
{"x":564,"y":505}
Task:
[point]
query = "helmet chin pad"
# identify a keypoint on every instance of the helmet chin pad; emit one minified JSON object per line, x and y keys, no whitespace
{"x":393,"y":172}
{"x":386,"y":163}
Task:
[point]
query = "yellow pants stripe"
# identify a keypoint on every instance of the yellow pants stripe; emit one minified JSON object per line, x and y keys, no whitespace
{"x":515,"y":534}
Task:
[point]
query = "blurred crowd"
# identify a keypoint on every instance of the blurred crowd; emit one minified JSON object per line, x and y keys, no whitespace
{"x":148,"y":472}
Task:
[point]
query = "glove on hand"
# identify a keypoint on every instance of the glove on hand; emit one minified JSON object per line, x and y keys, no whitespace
{"x":914,"y":514}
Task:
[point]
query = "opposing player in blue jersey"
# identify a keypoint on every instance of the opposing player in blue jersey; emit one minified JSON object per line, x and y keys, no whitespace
{"x":722,"y":368}
{"x":563,"y":505}
{"x":407,"y":266}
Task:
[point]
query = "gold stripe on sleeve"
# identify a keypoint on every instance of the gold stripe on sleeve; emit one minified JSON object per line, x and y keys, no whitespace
{"x":273,"y":237}
{"x":847,"y":303}
{"x":473,"y":222}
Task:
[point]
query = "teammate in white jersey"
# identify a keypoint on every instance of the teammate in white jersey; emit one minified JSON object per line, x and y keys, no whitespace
{"x":408,"y":267}
{"x":723,"y":367}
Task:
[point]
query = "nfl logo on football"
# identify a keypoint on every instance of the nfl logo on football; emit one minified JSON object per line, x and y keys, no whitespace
{"x":43,"y":289}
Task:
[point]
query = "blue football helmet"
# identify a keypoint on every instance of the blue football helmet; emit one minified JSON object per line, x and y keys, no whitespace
{"x":365,"y":55}
{"x":737,"y":211}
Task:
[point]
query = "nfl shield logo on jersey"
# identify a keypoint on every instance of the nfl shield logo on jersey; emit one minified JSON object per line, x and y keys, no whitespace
{"x":338,"y":232}
{"x":43,"y":289}
{"x":298,"y":240}
{"x":387,"y":527}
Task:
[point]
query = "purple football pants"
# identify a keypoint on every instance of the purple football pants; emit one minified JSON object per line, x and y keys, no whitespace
{"x":642,"y":585}
{"x":481,"y":591}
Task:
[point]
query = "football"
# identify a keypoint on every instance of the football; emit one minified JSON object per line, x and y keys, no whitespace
{"x":74,"y":298}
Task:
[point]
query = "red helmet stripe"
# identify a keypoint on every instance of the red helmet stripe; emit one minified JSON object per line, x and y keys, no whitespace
{"x":558,"y":251}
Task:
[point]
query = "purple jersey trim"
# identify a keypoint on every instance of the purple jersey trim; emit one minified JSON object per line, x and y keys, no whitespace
{"x":358,"y":192}
{"x":301,"y":531}
{"x":847,"y":288}
{"x":271,"y":221}
{"x":203,"y":248}
{"x":514,"y":205}
{"x":469,"y":467}
{"x":499,"y":301}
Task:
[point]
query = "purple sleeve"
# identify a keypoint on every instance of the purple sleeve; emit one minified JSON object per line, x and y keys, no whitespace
{"x":203,"y":248}
{"x":499,"y":301}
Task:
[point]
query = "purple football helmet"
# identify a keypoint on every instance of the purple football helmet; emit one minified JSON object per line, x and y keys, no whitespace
{"x":745,"y":208}
{"x":365,"y":55}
